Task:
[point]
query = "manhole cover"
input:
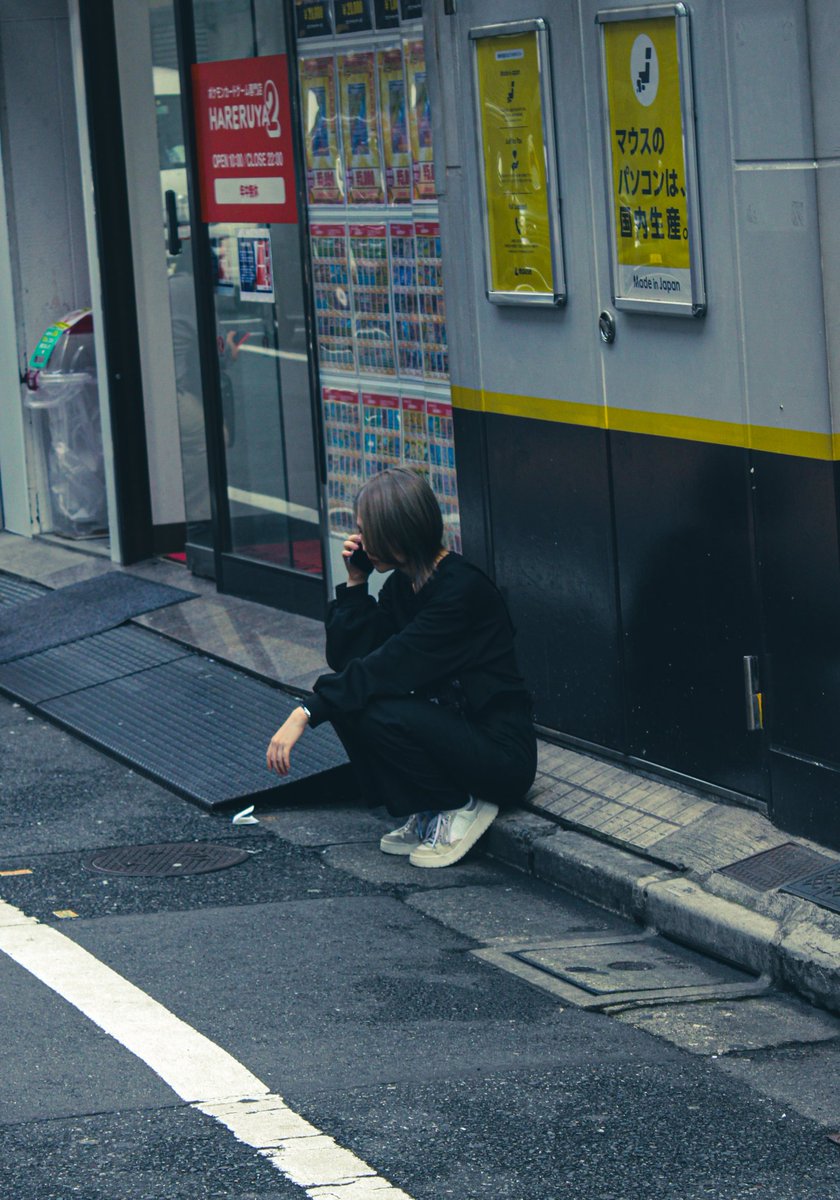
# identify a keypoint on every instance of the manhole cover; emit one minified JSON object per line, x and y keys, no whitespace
{"x":771,"y":868}
{"x":822,"y":887}
{"x":171,"y":858}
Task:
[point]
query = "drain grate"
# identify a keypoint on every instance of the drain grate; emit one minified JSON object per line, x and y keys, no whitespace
{"x":170,"y":858}
{"x":772,"y":868}
{"x":822,"y":887}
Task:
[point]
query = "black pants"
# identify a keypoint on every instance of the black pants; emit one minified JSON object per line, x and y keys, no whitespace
{"x":414,"y":755}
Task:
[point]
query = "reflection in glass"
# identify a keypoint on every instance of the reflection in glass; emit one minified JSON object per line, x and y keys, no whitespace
{"x":261,"y":338}
{"x":178,"y":248}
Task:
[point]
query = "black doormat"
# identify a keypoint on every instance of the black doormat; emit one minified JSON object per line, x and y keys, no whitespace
{"x":202,"y":729}
{"x":79,"y":610}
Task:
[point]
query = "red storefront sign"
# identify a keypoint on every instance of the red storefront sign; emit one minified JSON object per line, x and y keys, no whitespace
{"x":244,"y":140}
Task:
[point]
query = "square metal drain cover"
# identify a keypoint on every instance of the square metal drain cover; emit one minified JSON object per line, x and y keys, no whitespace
{"x":771,"y":868}
{"x":607,"y":970}
{"x":822,"y":887}
{"x":645,"y":966}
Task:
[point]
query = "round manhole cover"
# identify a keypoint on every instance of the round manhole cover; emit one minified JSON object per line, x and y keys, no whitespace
{"x":172,"y":858}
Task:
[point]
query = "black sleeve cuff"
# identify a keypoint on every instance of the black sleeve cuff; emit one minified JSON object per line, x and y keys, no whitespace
{"x":351,"y":595}
{"x":319,"y":710}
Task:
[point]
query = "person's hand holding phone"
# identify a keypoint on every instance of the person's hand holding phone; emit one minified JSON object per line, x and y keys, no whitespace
{"x":357,"y":562}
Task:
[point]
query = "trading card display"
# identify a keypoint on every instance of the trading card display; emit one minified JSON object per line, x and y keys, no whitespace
{"x":333,"y":312}
{"x":343,"y":438}
{"x":432,"y":303}
{"x":374,"y":329}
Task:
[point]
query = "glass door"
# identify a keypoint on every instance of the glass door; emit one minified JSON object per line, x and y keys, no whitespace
{"x":258,"y":440}
{"x":178,"y":242}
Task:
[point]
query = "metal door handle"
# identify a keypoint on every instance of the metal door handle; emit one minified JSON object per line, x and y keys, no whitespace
{"x":753,"y":696}
{"x":173,"y":239}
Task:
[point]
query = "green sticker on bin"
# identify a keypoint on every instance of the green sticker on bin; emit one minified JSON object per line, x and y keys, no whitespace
{"x":42,"y":352}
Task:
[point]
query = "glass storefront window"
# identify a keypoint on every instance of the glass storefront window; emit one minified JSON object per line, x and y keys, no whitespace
{"x":375,"y":249}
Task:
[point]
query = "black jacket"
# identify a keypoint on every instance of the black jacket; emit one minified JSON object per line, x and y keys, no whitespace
{"x":455,"y":633}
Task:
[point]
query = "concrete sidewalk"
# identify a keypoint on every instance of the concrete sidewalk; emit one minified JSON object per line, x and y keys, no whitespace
{"x":626,"y":840}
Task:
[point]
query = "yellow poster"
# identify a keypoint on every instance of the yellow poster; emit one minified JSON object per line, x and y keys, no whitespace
{"x":324,"y":174}
{"x":513,"y":145}
{"x":419,"y":119}
{"x":648,"y":188}
{"x":396,"y":147}
{"x":360,"y":128}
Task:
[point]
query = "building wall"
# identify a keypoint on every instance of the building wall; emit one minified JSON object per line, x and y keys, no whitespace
{"x":661,"y":508}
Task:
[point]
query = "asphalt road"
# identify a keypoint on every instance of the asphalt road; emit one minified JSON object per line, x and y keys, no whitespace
{"x":345,"y":982}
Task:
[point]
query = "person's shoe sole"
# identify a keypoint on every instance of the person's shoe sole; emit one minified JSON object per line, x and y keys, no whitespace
{"x":402,"y":848}
{"x":433,"y":856}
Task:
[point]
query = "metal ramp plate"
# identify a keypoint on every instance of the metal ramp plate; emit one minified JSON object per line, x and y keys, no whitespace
{"x":16,"y":591}
{"x":200,"y":728}
{"x":86,"y":663}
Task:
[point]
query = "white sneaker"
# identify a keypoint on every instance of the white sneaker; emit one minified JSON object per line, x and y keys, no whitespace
{"x":408,"y":837}
{"x":449,"y":835}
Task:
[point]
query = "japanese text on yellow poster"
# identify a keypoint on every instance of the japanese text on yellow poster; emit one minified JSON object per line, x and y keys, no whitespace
{"x":360,"y":128}
{"x":513,"y":148}
{"x":324,"y":172}
{"x":396,"y":146}
{"x":648,"y":188}
{"x":420,"y":119}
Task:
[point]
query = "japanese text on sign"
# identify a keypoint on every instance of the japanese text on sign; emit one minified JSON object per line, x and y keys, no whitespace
{"x":244,"y":143}
{"x":649,"y":186}
{"x":519,"y":198}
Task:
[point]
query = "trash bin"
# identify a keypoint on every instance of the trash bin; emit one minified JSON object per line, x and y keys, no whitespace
{"x":61,"y":382}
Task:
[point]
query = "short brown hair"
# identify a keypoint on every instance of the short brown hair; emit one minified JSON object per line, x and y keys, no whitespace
{"x":401,"y":519}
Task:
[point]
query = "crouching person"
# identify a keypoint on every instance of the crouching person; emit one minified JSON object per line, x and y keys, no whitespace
{"x":426,"y":695}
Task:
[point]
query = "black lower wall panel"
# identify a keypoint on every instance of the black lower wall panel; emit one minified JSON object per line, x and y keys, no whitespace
{"x":800,"y":581}
{"x":806,"y":798}
{"x":554,"y":555}
{"x":473,"y":500}
{"x":689,"y":607}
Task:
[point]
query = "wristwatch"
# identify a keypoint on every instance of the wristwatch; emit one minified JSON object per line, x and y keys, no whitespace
{"x":306,"y":710}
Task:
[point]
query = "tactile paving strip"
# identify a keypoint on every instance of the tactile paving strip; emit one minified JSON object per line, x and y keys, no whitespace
{"x":197,"y":726}
{"x":16,"y":591}
{"x":771,"y":868}
{"x":822,"y":887}
{"x":83,"y":664}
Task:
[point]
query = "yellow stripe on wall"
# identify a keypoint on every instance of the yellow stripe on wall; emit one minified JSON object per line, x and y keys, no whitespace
{"x":801,"y":443}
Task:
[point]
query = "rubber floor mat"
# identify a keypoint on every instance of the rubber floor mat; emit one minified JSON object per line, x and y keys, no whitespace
{"x":83,"y":664}
{"x":80,"y":610}
{"x":202,"y":729}
{"x":15,"y":591}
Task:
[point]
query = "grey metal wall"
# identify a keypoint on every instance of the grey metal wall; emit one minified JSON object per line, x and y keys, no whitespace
{"x":659,"y":508}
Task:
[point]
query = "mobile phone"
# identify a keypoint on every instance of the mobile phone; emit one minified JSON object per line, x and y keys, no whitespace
{"x":360,"y":561}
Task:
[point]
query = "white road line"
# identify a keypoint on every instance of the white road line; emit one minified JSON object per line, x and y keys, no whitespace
{"x":197,"y":1070}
